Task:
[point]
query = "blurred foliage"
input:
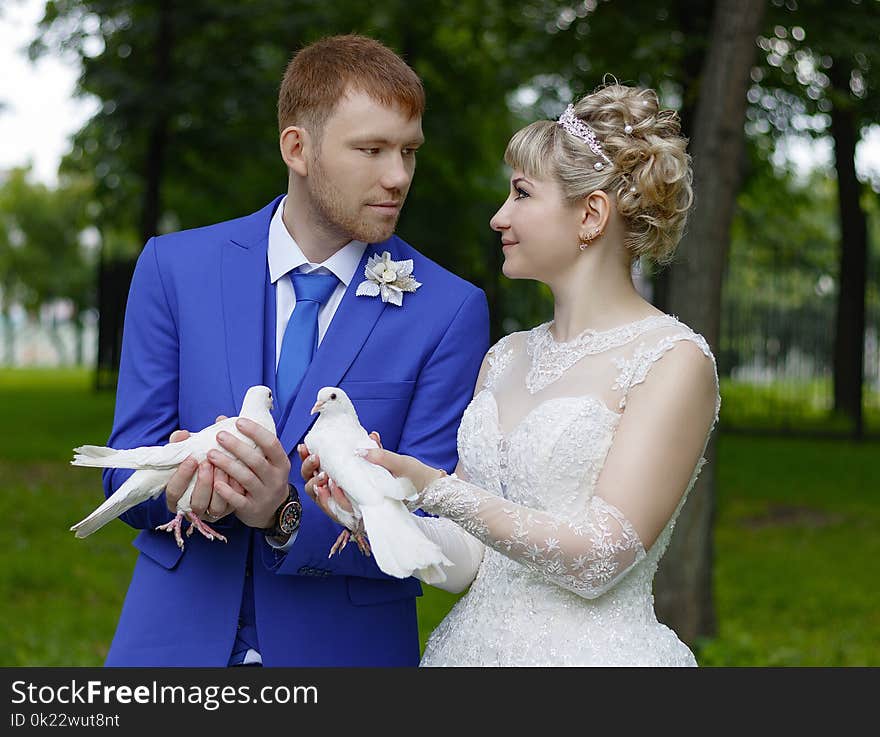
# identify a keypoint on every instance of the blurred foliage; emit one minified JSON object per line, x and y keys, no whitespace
{"x":488,"y":68}
{"x":48,"y":249}
{"x":44,"y":254}
{"x":816,"y":56}
{"x":204,"y":77}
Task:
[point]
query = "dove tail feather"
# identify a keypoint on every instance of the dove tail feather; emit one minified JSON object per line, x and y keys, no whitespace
{"x":139,"y":487}
{"x":399,"y":546}
{"x":94,"y":451}
{"x":91,"y":455}
{"x":95,"y":456}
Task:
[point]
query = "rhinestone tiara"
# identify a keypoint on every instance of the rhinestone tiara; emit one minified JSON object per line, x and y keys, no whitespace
{"x":577,"y":127}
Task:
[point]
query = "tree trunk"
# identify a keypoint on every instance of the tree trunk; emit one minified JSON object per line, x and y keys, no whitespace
{"x":114,"y":278}
{"x":683,"y":586}
{"x":694,"y":20}
{"x":8,"y":328}
{"x":849,"y":332}
{"x":79,"y":329}
{"x":112,"y":294}
{"x":57,"y":341}
{"x":157,"y":140}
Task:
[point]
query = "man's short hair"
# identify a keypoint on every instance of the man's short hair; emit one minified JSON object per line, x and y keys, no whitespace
{"x":321,"y":73}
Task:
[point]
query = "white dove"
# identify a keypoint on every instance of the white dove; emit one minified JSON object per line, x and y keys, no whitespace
{"x":376,"y":496}
{"x":156,"y":465}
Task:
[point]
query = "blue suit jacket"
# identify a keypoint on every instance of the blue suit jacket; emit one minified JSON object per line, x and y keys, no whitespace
{"x":199,"y":330}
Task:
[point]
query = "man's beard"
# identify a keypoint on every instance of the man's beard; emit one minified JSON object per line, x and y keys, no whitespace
{"x":337,"y":215}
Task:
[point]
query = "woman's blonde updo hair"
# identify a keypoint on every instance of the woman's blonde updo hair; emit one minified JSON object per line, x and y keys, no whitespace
{"x":650,"y":175}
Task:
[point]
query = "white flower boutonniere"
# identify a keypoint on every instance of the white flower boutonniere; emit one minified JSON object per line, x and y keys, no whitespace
{"x":388,"y":279}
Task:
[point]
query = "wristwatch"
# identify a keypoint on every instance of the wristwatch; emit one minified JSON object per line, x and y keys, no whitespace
{"x":287,"y":516}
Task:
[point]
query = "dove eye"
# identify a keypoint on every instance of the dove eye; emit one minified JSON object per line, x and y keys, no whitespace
{"x":333,"y":396}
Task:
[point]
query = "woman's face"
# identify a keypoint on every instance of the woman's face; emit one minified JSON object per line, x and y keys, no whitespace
{"x":539,"y":229}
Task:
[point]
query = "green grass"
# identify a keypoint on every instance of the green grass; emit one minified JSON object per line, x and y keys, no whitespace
{"x":800,"y":406}
{"x":797,"y":537}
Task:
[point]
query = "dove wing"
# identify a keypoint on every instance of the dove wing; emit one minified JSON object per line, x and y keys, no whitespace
{"x":140,"y":486}
{"x":204,"y":440}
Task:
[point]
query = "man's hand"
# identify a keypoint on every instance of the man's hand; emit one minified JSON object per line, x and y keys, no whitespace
{"x":261,"y":474}
{"x":204,"y":502}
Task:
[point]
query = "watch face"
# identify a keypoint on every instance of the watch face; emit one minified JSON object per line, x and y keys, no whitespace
{"x":289,"y":518}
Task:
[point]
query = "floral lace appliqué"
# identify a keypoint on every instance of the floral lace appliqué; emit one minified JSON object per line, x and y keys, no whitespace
{"x":550,"y":360}
{"x":586,"y":556}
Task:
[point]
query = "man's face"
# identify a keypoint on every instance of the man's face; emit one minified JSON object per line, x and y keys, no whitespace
{"x":360,"y":175}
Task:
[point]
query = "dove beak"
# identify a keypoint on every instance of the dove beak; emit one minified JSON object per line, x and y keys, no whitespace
{"x":317,"y":408}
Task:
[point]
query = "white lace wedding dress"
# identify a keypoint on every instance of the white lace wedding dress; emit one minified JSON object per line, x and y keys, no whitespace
{"x":564,"y":578}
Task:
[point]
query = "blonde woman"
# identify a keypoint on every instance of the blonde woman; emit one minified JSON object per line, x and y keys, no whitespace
{"x":586,"y":433}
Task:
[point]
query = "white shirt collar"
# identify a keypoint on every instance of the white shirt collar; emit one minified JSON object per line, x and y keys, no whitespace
{"x":285,"y":254}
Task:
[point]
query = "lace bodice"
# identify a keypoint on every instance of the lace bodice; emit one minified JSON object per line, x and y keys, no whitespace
{"x":533,"y":446}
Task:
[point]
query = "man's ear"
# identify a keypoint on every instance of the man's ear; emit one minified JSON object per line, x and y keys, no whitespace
{"x":294,"y":143}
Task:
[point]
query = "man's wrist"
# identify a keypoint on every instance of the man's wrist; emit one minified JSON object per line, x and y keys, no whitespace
{"x":285,"y":521}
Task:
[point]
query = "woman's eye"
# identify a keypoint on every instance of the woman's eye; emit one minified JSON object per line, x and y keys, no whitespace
{"x":520,"y":193}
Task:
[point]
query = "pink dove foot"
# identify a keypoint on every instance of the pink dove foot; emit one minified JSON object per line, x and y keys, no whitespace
{"x":174,"y":526}
{"x":360,"y":537}
{"x":197,"y":524}
{"x":340,"y":543}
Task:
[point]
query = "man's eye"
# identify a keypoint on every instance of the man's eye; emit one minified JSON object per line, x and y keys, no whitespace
{"x":370,"y":151}
{"x":409,"y":151}
{"x":520,"y":193}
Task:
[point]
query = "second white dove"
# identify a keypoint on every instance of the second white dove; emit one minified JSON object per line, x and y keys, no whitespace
{"x":400,"y":547}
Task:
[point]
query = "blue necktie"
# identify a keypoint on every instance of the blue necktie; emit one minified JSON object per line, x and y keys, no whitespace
{"x":301,"y":335}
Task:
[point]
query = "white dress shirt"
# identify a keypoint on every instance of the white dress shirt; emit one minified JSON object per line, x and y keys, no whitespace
{"x":285,"y":256}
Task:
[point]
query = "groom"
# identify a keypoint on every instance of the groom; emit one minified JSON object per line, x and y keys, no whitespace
{"x":273,"y":298}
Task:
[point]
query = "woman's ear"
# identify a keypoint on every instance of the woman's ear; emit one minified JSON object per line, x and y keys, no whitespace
{"x":294,"y":142}
{"x":596,"y":211}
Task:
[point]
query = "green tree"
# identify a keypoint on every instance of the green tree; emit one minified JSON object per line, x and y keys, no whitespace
{"x":819,"y":76}
{"x":45,"y":254}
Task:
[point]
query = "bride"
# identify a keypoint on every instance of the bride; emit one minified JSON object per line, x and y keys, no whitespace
{"x":586,"y":433}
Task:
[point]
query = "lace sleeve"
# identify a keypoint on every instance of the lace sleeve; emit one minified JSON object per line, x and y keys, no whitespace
{"x":588,"y":555}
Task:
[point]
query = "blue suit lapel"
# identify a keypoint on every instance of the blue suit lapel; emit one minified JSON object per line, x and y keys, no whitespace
{"x":244,"y":275}
{"x":351,"y":326}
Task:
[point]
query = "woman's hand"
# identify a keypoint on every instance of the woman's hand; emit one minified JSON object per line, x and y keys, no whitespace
{"x":400,"y":465}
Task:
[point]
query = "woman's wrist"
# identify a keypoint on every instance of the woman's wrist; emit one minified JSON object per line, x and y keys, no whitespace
{"x":435,"y":474}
